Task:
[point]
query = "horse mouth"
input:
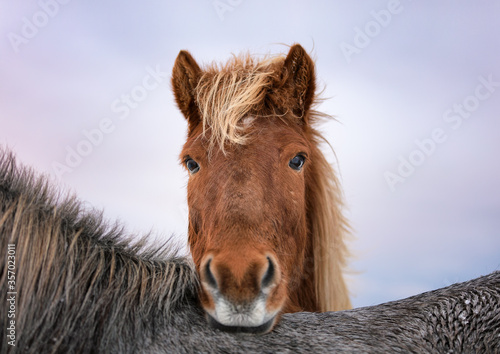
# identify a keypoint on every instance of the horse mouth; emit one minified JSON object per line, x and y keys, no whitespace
{"x":260,"y":329}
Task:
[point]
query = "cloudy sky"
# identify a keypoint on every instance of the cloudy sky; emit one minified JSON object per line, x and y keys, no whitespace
{"x":415,"y":86}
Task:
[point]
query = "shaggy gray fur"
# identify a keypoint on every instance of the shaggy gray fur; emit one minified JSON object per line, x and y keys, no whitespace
{"x":462,"y":318}
{"x":82,"y":287}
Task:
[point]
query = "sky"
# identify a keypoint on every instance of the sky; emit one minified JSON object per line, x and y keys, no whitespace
{"x":85,"y":98}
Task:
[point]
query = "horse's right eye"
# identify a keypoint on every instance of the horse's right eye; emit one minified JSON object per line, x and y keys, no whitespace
{"x":192,"y":166}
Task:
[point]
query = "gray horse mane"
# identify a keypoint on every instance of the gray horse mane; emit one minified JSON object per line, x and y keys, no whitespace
{"x":81,"y":282}
{"x":83,"y":286}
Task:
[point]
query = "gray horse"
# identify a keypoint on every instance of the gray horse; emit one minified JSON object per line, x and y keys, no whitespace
{"x":73,"y":283}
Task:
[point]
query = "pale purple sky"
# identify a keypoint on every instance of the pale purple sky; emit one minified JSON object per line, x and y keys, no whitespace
{"x":398,"y":74}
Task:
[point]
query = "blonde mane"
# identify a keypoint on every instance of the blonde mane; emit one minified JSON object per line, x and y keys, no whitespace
{"x":329,"y":230}
{"x":228,"y":93}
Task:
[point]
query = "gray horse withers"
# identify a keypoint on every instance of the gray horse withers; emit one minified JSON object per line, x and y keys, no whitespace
{"x":82,"y":287}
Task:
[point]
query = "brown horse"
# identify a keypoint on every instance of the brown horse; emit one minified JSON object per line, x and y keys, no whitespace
{"x":74,"y":283}
{"x":266,"y":230}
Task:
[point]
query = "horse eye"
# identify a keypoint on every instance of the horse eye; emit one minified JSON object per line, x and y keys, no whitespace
{"x":297,"y":162}
{"x":192,"y":166}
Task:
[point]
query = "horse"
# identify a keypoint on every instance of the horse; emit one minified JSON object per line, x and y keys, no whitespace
{"x":266,"y":228}
{"x":72,"y":282}
{"x":75,"y":282}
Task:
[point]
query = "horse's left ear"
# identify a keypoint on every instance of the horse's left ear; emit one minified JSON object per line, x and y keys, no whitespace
{"x":185,"y":76}
{"x":301,"y":83}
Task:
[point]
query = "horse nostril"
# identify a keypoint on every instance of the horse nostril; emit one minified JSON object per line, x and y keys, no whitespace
{"x":209,"y":276}
{"x":268,"y":277}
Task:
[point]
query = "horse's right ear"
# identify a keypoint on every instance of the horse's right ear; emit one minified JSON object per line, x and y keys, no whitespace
{"x":185,"y":76}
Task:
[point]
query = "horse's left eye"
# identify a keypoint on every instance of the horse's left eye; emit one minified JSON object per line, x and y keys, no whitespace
{"x":297,"y":162}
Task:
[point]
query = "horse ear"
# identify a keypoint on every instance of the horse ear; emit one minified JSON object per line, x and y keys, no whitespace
{"x":185,"y":76}
{"x":300,"y":80}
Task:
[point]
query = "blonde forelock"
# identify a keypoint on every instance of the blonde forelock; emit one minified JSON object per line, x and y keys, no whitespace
{"x":228,"y":93}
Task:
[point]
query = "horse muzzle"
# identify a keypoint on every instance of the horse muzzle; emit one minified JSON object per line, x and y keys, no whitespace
{"x":242,"y":296}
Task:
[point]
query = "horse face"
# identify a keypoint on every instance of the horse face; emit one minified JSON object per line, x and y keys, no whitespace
{"x":247,"y":222}
{"x":252,"y":153}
